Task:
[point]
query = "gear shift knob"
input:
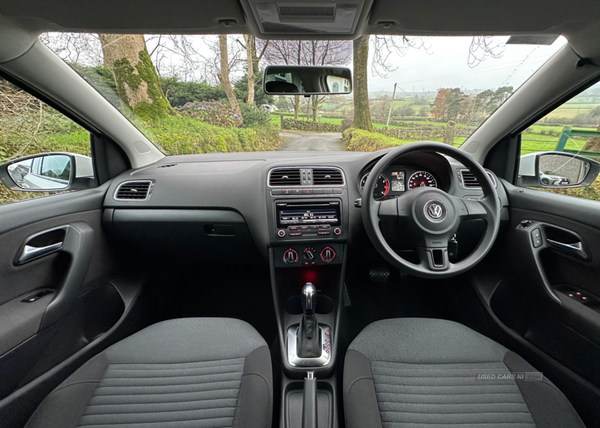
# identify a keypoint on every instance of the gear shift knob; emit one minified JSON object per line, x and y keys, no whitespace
{"x":309,"y":298}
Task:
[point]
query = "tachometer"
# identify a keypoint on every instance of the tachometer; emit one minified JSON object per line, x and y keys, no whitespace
{"x":382,"y":187}
{"x":421,"y":179}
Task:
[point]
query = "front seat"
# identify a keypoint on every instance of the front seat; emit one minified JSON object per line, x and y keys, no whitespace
{"x":422,"y":373}
{"x":190,"y":372}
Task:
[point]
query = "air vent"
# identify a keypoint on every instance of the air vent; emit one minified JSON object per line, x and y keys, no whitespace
{"x":327,"y":177}
{"x":169,"y":165}
{"x":285,"y":177}
{"x":138,"y":190}
{"x":469,"y":181}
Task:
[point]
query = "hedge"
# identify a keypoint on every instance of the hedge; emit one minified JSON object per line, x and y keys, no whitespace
{"x":302,"y":125}
{"x":359,"y":140}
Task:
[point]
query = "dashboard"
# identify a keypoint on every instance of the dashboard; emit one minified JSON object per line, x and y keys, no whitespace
{"x":229,"y":206}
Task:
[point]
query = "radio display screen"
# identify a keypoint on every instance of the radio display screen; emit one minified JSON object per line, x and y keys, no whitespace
{"x":290,"y":216}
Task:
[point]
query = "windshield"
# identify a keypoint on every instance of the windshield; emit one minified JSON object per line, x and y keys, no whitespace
{"x":202,"y":94}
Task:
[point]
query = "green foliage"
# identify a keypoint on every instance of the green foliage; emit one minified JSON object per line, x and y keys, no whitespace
{"x":405,"y":111}
{"x":241,"y":90}
{"x":180,"y":135}
{"x":453,"y":102}
{"x":179,"y":93}
{"x":101,"y":78}
{"x":213,"y":113}
{"x":359,"y":140}
{"x":254,"y":116}
{"x":591,"y":192}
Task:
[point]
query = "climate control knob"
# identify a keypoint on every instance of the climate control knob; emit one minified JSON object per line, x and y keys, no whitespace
{"x":290,"y":256}
{"x":309,"y":254}
{"x":327,"y":254}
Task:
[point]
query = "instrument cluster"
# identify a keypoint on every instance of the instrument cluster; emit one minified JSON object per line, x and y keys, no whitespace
{"x":398,"y":179}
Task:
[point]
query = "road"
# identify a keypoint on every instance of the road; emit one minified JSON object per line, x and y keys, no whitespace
{"x":311,"y":141}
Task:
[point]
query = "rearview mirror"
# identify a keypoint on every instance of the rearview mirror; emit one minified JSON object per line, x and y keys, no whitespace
{"x":557,"y":170}
{"x":48,"y":172}
{"x":307,"y":80}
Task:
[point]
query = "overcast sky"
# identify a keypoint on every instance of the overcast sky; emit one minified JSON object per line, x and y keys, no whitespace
{"x":444,"y":64}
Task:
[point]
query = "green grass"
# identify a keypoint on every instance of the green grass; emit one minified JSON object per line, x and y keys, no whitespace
{"x":570,"y":112}
{"x":531,"y":143}
{"x":537,"y":129}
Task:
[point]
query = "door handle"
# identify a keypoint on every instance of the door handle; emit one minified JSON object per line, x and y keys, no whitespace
{"x":30,"y":252}
{"x":574,"y":249}
{"x":42,"y":244}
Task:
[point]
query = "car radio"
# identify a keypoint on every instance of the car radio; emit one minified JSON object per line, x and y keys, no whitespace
{"x":308,"y":219}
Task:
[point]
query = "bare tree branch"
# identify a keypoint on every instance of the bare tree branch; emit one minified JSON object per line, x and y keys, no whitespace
{"x":483,"y":47}
{"x":385,"y":48}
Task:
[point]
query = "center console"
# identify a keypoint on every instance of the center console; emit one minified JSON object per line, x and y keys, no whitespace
{"x":307,"y":210}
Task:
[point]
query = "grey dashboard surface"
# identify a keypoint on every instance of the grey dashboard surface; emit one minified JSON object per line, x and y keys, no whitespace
{"x":238,"y":182}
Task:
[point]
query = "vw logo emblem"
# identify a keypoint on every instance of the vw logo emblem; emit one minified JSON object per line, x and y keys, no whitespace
{"x":435,"y":211}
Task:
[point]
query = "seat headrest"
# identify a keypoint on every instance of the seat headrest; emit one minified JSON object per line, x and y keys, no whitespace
{"x":275,"y":86}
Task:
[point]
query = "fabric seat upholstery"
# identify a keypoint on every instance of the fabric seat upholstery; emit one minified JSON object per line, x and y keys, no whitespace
{"x":191,"y":372}
{"x":419,"y":373}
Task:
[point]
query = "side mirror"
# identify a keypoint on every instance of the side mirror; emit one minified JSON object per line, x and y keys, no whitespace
{"x":556,"y":170}
{"x":48,"y":172}
{"x":307,"y":80}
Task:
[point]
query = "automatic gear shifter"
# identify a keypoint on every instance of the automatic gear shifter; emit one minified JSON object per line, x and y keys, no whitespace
{"x":309,"y":334}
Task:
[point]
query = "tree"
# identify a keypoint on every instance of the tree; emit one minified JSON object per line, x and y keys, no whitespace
{"x":127,"y":57}
{"x":250,"y":49}
{"x":453,"y":99}
{"x":424,"y":111}
{"x":224,"y":74}
{"x":282,"y":103}
{"x":386,"y":47}
{"x":500,"y":95}
{"x":179,"y":93}
{"x":406,"y":111}
{"x":419,"y":101}
{"x":241,"y":90}
{"x":362,"y":115}
{"x":439,"y":105}
{"x":307,"y":52}
{"x":252,"y":61}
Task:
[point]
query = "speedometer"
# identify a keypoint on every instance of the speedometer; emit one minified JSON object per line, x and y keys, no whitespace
{"x":421,"y":179}
{"x":382,"y":187}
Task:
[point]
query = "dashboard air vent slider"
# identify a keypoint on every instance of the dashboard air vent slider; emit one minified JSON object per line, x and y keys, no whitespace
{"x":138,"y":190}
{"x":327,"y":177}
{"x":285,"y":177}
{"x":469,"y":181}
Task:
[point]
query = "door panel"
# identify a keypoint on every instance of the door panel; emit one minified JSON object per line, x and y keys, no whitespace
{"x":563,"y":262}
{"x":533,"y":283}
{"x":49,"y":304}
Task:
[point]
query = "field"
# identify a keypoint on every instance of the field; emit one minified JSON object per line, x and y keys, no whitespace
{"x":537,"y":139}
{"x":570,"y":110}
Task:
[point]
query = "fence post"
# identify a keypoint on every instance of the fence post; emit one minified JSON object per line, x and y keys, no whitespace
{"x":449,"y":134}
{"x":562,"y":141}
{"x":281,"y":119}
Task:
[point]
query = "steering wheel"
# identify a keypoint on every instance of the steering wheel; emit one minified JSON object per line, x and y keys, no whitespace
{"x":431,"y":216}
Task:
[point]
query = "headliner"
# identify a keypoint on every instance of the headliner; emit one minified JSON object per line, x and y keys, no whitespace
{"x":577,"y":20}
